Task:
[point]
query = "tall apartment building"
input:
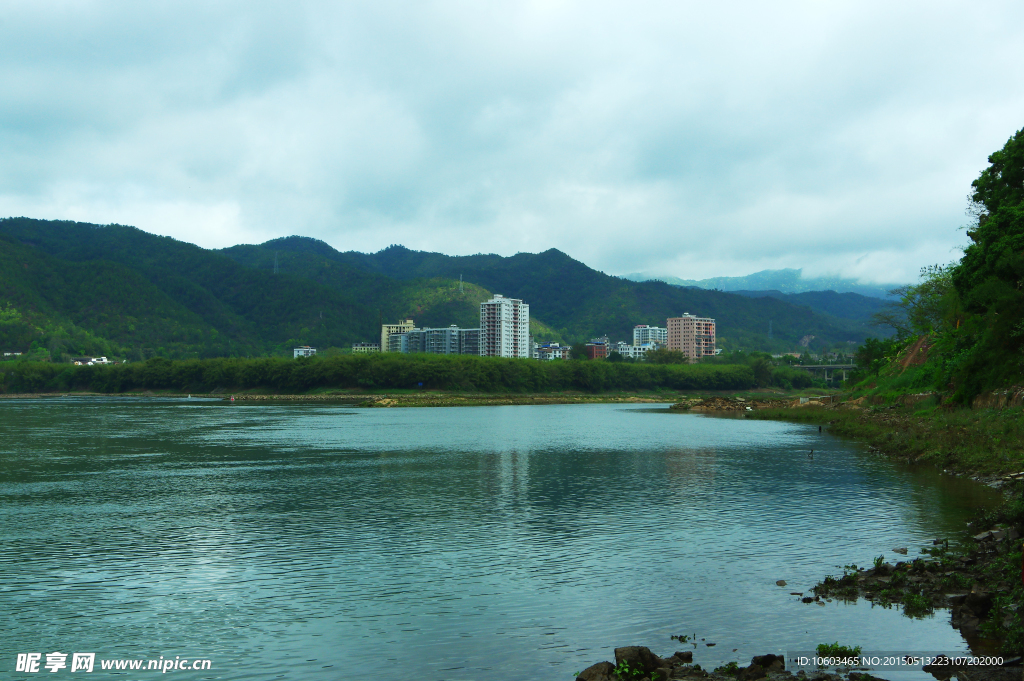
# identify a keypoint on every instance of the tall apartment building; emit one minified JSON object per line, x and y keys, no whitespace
{"x":387,"y":329}
{"x":643,"y":334}
{"x":504,"y":327}
{"x":692,"y":335}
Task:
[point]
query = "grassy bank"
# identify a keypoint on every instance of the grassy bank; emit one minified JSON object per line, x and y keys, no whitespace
{"x":985,"y":442}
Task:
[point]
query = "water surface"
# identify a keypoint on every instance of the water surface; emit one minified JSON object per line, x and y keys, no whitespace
{"x":323,"y":541}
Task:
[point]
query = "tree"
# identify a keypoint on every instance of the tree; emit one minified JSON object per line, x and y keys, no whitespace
{"x":762,"y":367}
{"x":922,"y":308}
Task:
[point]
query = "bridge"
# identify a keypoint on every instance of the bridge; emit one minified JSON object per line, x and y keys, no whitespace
{"x":826,"y":368}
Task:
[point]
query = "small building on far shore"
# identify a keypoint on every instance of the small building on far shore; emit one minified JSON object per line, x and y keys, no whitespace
{"x":303,"y":351}
{"x":365,"y":347}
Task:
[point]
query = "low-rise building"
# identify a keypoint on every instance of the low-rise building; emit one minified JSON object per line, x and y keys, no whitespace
{"x":387,"y":329}
{"x":597,"y":348}
{"x":303,"y":351}
{"x":550,"y":351}
{"x":635,"y":351}
{"x":365,"y":347}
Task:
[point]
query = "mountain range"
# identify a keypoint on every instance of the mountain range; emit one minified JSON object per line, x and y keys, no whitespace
{"x":782,"y":281}
{"x":70,"y":288}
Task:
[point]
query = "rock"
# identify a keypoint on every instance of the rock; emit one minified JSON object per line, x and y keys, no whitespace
{"x":1013,"y":534}
{"x":639,"y":657}
{"x":684,"y":657}
{"x":761,"y":666}
{"x":983,"y":536}
{"x":956,"y":599}
{"x":662,"y":674}
{"x":602,"y":671}
{"x":901,"y":550}
{"x":770,"y":662}
{"x":998,"y":535}
{"x":978,"y":602}
{"x":807,"y":599}
{"x":781,"y":582}
{"x":796,"y":593}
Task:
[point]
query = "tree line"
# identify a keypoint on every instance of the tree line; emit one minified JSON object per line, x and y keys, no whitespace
{"x":371,"y":372}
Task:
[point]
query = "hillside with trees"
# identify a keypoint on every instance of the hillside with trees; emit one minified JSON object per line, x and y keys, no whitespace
{"x":960,"y":331}
{"x":577,"y":301}
{"x":71,"y":289}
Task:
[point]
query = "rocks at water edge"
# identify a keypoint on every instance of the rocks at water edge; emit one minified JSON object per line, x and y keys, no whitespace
{"x":644,"y":665}
{"x":729,"y":404}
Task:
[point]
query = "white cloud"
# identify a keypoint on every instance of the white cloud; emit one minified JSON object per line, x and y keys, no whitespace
{"x":688,"y":139}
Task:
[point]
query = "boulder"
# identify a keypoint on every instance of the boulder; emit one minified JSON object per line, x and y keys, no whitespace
{"x":639,"y":657}
{"x":773,"y":663}
{"x":761,"y":666}
{"x":978,"y":602}
{"x":602,"y":671}
{"x":684,"y":656}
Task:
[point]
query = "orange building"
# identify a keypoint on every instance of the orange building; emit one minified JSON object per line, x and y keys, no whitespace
{"x":692,"y":335}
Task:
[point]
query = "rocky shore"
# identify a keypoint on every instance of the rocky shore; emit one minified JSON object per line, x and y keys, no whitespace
{"x":638,"y":663}
{"x":711,"y":404}
{"x":970,"y":582}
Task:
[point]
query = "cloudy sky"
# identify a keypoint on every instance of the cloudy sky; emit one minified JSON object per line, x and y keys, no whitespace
{"x":690,"y":139}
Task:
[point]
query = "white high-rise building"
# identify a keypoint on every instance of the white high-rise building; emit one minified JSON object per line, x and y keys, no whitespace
{"x":504,"y":327}
{"x":643,"y":334}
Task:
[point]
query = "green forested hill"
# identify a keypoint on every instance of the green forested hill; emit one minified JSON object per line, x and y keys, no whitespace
{"x":569,"y":296}
{"x":843,"y":305}
{"x":74,"y":288}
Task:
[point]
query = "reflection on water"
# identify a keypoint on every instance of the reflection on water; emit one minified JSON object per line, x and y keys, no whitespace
{"x":308,"y":540}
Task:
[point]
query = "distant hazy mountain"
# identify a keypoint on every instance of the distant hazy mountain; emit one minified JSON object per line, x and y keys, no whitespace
{"x":783,"y":281}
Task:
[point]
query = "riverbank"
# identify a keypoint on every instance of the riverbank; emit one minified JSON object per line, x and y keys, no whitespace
{"x":639,"y":663}
{"x":979,"y":576}
{"x":425,"y":398}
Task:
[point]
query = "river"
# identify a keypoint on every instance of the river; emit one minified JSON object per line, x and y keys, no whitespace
{"x":330,"y":542}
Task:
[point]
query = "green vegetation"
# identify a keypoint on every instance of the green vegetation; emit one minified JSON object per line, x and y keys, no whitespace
{"x":979,"y":441}
{"x":625,"y":672}
{"x":578,"y":301}
{"x":369,"y":372}
{"x":113,"y":290}
{"x":836,"y":650}
{"x":766,"y":373}
{"x":960,"y":331}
